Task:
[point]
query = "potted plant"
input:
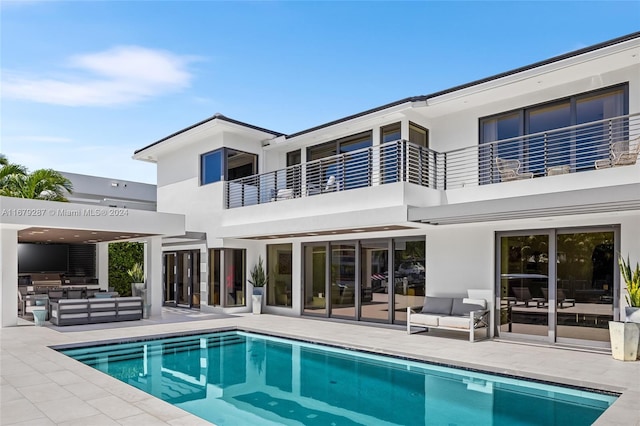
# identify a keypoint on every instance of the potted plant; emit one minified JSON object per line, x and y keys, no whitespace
{"x":138,"y":286}
{"x":632,"y":282}
{"x":625,"y":336}
{"x":258,"y":279}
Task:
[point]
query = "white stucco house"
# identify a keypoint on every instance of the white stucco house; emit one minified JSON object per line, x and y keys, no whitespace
{"x":524,"y":184}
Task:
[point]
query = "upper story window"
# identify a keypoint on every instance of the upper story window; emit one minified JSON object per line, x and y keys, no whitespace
{"x":577,"y":149}
{"x":340,"y":146}
{"x":226,"y":164}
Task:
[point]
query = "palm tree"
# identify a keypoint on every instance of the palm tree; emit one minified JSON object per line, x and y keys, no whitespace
{"x":42,"y":184}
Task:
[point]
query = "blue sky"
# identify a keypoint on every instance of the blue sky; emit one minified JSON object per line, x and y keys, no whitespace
{"x":86,"y":83}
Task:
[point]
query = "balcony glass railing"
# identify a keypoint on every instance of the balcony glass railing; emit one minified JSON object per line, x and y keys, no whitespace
{"x":559,"y":151}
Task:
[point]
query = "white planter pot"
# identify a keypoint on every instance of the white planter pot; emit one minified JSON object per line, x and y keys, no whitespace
{"x":257,"y":303}
{"x":632,"y":314}
{"x":625,"y":337}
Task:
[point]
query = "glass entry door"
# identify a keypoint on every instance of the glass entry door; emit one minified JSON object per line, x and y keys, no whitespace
{"x":584,"y":296}
{"x":170,"y":278}
{"x":181,"y":280}
{"x":524,"y":276}
{"x":374,"y":281}
{"x":559,"y":285}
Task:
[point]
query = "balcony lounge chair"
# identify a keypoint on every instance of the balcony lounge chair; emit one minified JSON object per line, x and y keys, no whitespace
{"x":508,"y":170}
{"x":331,"y":184}
{"x":524,"y":295}
{"x":623,"y":153}
{"x":283,"y":194}
{"x":560,"y":296}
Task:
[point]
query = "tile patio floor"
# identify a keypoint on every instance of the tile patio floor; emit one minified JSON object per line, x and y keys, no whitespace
{"x":39,"y":386}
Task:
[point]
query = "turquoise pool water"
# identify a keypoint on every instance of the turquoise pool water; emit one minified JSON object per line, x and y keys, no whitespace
{"x":238,"y":378}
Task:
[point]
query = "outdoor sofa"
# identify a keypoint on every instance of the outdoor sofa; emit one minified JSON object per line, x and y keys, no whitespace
{"x":451,"y":313}
{"x":91,"y":311}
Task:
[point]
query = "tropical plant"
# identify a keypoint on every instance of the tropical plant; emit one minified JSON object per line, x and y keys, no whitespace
{"x":41,"y":184}
{"x":122,"y":256}
{"x":632,"y":280}
{"x":136,"y":272}
{"x":258,"y":277}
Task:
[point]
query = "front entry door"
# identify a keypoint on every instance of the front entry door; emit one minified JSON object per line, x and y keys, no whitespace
{"x":182,"y":285}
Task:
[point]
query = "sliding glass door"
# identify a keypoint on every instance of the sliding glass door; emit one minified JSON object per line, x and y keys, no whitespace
{"x":367,"y":280}
{"x":524,"y":275}
{"x":558,"y":285}
{"x":584,"y":295}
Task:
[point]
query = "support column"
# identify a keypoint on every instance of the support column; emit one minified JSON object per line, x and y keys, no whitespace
{"x":102,"y":262}
{"x":9,"y":277}
{"x":153,"y":272}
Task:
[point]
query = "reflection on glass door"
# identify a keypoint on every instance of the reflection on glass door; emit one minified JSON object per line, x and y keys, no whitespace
{"x":182,"y":278}
{"x":343,"y":280}
{"x":374,"y":281}
{"x":524,"y":278}
{"x":584,"y":296}
{"x":315,"y":279}
{"x":170,"y":278}
{"x":408,"y":276}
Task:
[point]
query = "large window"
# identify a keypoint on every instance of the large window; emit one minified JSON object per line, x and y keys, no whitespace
{"x":279,"y":271}
{"x":226,"y":164}
{"x":332,"y":174}
{"x":577,"y":149}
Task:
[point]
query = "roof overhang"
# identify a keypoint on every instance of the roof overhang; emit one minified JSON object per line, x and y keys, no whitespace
{"x":82,"y":223}
{"x":211,"y":126}
{"x":578,"y":202}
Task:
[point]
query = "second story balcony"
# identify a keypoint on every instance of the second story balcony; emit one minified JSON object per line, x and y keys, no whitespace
{"x":590,"y":146}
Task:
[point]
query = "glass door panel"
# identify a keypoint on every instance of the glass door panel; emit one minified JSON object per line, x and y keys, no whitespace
{"x":195,"y":278}
{"x":343,"y":281}
{"x":584,"y":296}
{"x":214,"y":277}
{"x":183,"y":278}
{"x":234,"y":266}
{"x":548,"y":151}
{"x":592,"y":142}
{"x":374,"y":281}
{"x":524,"y":276}
{"x":315,"y":279}
{"x":169,"y":278}
{"x":408,"y":277}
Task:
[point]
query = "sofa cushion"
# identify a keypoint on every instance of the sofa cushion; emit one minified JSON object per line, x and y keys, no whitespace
{"x":455,"y":322}
{"x":460,"y":308}
{"x":425,"y":319}
{"x":437,"y":305}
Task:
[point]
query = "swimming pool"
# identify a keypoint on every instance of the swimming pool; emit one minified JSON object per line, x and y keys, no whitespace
{"x":234,"y":377}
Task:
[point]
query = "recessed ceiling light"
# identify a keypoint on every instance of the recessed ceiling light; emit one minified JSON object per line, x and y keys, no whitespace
{"x":62,"y":238}
{"x":76,"y":236}
{"x":94,"y":233}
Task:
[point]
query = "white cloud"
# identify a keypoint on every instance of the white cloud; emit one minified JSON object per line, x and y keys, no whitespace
{"x":121,"y":75}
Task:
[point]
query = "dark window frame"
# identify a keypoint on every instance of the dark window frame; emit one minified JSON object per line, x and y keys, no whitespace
{"x":224,"y":151}
{"x":523,"y":114}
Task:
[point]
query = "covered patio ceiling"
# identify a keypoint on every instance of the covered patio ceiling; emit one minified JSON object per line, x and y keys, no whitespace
{"x":73,"y":236}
